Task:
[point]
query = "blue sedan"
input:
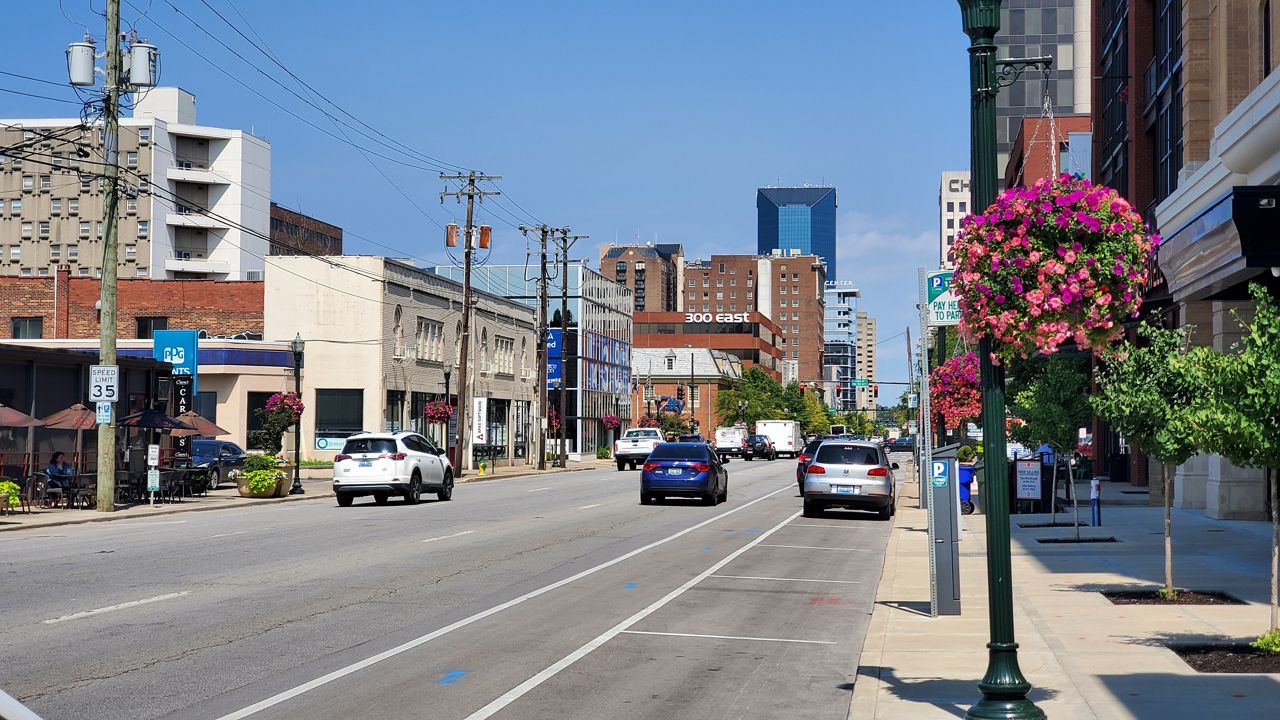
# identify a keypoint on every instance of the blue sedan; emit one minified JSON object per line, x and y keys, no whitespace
{"x":684,"y":469}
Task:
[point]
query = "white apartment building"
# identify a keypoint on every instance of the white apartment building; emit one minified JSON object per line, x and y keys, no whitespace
{"x":865,"y":361}
{"x":953,"y":205}
{"x":51,"y":200}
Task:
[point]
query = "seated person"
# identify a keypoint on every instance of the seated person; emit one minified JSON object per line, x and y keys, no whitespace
{"x":59,"y":472}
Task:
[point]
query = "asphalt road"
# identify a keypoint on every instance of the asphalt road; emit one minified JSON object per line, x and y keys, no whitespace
{"x":544,"y":597}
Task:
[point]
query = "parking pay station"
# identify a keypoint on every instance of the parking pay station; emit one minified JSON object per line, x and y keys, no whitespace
{"x":944,"y":532}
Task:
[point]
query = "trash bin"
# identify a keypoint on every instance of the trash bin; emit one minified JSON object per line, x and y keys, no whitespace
{"x":966,"y":489}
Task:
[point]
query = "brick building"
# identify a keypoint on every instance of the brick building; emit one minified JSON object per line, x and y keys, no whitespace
{"x":786,"y":290}
{"x":293,"y":233}
{"x":653,"y":272}
{"x":750,"y":337}
{"x":699,"y":374}
{"x":1041,"y":149}
{"x":63,"y":306}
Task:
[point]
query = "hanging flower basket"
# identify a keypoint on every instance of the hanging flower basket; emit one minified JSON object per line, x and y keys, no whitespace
{"x":287,"y":405}
{"x":954,"y":391}
{"x":611,"y":422}
{"x":438,"y":411}
{"x":1061,"y":260}
{"x":649,"y":421}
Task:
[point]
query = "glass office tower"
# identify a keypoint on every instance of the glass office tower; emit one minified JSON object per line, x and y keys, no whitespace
{"x":798,"y":221}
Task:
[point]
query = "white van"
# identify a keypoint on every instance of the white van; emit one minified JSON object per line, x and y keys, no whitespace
{"x":785,"y":435}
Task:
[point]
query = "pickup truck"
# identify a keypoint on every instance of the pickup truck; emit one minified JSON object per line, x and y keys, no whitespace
{"x":634,"y":446}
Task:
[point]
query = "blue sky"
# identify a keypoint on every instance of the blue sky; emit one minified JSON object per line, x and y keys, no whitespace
{"x":650,"y":120}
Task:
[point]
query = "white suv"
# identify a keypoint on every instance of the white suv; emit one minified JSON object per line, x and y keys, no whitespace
{"x":383,"y":464}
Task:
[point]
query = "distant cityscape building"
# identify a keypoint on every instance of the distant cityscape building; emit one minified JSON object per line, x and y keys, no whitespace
{"x":953,"y":205}
{"x":653,"y":272}
{"x":751,"y":337}
{"x":1043,"y":150}
{"x":797,"y":221}
{"x":293,"y":233}
{"x":1031,"y":28}
{"x":865,"y":361}
{"x":840,"y":334}
{"x":196,"y":202}
{"x":661,"y":373}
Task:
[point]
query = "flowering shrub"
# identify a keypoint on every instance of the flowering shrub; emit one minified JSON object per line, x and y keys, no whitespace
{"x":954,"y":392}
{"x":553,"y":420}
{"x":1061,"y":260}
{"x":649,"y":421}
{"x":611,"y":422}
{"x":281,"y":411}
{"x":287,"y":404}
{"x":438,"y":411}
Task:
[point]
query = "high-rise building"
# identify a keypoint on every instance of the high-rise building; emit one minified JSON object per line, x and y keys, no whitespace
{"x":787,"y":290}
{"x":653,"y":272}
{"x":1031,"y":28}
{"x":797,"y":221}
{"x":953,"y":205}
{"x":293,"y":233}
{"x":865,"y":361}
{"x":840,"y":334}
{"x":196,"y":201}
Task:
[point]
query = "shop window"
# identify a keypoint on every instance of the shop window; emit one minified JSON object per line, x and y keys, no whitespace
{"x":339,"y":411}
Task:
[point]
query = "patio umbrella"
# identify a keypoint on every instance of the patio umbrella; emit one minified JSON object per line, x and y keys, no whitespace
{"x":201,"y":426}
{"x":9,"y":417}
{"x":153,"y":419}
{"x":78,"y":418}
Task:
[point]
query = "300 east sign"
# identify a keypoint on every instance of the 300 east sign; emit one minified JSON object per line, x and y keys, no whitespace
{"x":716,"y":317}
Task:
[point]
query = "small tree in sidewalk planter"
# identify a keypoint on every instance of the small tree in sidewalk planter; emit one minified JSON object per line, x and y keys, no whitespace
{"x":1148,"y":393}
{"x":282,"y":411}
{"x":1241,"y":413}
{"x":1050,"y":397}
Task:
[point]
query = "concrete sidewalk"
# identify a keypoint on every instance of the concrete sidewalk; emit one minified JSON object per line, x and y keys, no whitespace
{"x":1085,"y":657}
{"x":316,"y":481}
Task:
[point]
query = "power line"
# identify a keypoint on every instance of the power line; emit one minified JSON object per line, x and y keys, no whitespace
{"x":33,"y":79}
{"x":39,"y":97}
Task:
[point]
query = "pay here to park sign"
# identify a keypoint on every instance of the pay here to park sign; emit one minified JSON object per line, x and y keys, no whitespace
{"x":944,"y":306}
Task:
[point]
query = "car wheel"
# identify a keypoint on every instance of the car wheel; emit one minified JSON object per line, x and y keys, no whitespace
{"x":709,"y":497}
{"x":746,"y":458}
{"x":344,"y":499}
{"x":622,"y":465}
{"x":446,"y":490}
{"x":215,"y":479}
{"x":647,"y":499}
{"x":414,"y":493}
{"x":724,"y":494}
{"x":812,"y":509}
{"x":380,"y":498}
{"x":886,"y":512}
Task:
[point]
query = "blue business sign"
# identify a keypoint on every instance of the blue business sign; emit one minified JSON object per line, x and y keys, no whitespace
{"x":178,"y":348}
{"x":554,"y":343}
{"x":554,"y":374}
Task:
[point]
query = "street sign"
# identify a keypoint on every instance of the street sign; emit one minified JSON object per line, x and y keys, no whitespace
{"x":153,"y":480}
{"x":859,"y":382}
{"x":944,"y":306}
{"x":480,"y":421}
{"x":102,"y":413}
{"x":1028,"y":479}
{"x":104,"y":383}
{"x":153,"y":455}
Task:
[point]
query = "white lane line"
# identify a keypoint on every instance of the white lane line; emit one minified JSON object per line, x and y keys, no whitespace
{"x":111,"y":608}
{"x":405,"y":647}
{"x":811,"y":547}
{"x":145,"y":524}
{"x":520,"y":690}
{"x":730,"y":637}
{"x":847,"y":527}
{"x":540,"y":489}
{"x":210,"y":537}
{"x":755,"y":577}
{"x":588,"y":507}
{"x":446,"y":537}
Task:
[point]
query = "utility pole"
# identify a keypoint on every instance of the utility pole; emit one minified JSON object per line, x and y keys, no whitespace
{"x":107,"y":322}
{"x":566,"y":243}
{"x":471,"y":192}
{"x":541,"y":343}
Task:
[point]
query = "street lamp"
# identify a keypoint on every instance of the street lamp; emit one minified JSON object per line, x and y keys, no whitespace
{"x":296,"y":346}
{"x":448,"y":403}
{"x":742,"y":411}
{"x":1004,"y":688}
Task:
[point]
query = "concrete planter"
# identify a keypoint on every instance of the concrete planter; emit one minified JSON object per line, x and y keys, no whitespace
{"x":280,"y":490}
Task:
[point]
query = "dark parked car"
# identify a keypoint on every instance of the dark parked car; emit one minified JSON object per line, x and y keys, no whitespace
{"x":684,"y":469}
{"x":762,"y":447}
{"x":901,"y":445}
{"x":219,"y":457}
{"x":805,"y":457}
{"x":695,"y":438}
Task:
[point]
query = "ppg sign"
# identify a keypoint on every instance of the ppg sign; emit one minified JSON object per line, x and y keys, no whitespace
{"x":175,"y":355}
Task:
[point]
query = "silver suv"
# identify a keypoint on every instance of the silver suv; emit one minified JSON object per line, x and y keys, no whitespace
{"x":856,"y":475}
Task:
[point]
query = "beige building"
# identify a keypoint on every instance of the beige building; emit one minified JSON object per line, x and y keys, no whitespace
{"x":953,"y":205}
{"x":865,"y":360}
{"x":1219,"y":220}
{"x":51,"y":197}
{"x":382,"y":341}
{"x":655,"y":274}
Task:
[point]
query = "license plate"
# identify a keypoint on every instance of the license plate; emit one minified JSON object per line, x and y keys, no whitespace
{"x":366,"y":463}
{"x":844,"y":489}
{"x":675,"y":471}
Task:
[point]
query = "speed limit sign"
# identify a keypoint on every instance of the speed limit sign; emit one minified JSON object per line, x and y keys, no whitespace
{"x":104,"y":383}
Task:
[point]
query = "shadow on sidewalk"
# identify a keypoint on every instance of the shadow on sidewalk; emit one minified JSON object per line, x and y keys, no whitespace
{"x":915,"y":607}
{"x":1153,"y":695}
{"x":953,"y":696}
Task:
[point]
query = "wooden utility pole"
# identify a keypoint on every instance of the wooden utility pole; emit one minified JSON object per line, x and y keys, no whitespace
{"x":471,"y":192}
{"x":540,"y":389}
{"x":566,"y":243}
{"x":107,"y":321}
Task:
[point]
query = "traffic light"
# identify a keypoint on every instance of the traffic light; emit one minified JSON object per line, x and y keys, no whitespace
{"x":680,"y":393}
{"x":875,"y":390}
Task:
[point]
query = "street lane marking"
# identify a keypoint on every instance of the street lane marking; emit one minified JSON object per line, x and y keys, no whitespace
{"x":446,"y":537}
{"x":405,"y":647}
{"x":849,"y":527}
{"x":754,"y":577}
{"x":520,"y":690}
{"x":588,"y":507}
{"x":210,"y":537}
{"x":147,"y":524}
{"x":539,"y":489}
{"x":451,"y":677}
{"x":111,"y":608}
{"x":730,"y":637}
{"x":810,"y":547}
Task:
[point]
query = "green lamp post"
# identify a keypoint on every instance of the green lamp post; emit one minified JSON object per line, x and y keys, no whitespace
{"x":1004,"y":689}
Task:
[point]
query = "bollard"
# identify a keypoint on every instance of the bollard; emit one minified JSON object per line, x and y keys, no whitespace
{"x":1095,"y":501}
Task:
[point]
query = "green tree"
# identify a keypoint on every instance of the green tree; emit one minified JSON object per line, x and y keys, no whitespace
{"x":761,"y":393}
{"x":1241,"y":411}
{"x":793,"y":402}
{"x":814,"y":416}
{"x":1148,"y":393}
{"x":1050,"y":397}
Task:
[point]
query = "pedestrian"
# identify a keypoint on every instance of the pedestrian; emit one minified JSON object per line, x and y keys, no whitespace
{"x":59,"y":472}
